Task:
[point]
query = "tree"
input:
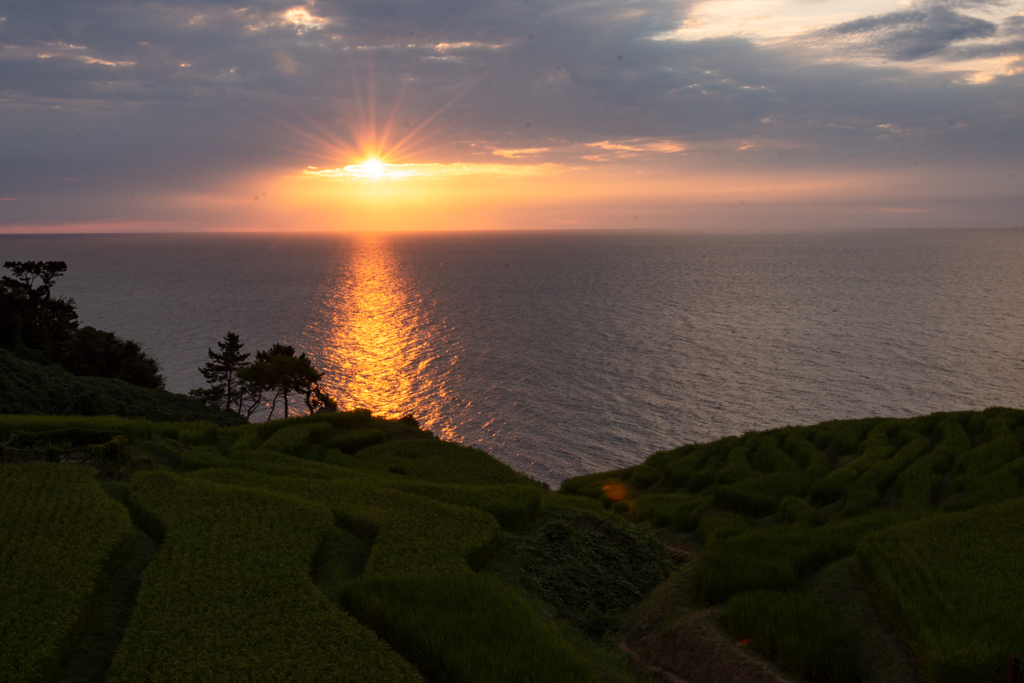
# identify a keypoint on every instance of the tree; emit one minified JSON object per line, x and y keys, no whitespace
{"x":97,"y":353}
{"x":226,"y":390}
{"x":280,"y":371}
{"x":29,"y":315}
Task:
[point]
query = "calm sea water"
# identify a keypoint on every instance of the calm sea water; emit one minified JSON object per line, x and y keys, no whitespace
{"x":566,"y":353}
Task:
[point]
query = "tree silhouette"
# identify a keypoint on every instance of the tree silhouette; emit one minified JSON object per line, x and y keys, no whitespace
{"x":280,"y":371}
{"x":226,"y":390}
{"x":29,"y":315}
{"x":44,"y":328}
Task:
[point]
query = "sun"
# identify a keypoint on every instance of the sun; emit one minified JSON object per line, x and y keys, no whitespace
{"x":373,"y":168}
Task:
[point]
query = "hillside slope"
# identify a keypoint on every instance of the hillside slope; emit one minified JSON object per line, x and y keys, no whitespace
{"x":27,"y":388}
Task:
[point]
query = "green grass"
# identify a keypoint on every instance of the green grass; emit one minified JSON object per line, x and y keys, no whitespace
{"x":293,"y":439}
{"x":58,"y":531}
{"x":89,"y":655}
{"x":761,"y":496}
{"x":464,"y":629}
{"x":779,"y":557}
{"x":279,"y":523}
{"x":432,"y":460}
{"x":954,"y":582}
{"x":229,"y":596}
{"x":796,"y":631}
{"x":666,"y":509}
{"x":409,"y":532}
{"x":880,"y":650}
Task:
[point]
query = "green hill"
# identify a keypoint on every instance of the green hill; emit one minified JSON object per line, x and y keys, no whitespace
{"x":336,"y":547}
{"x":28,"y":388}
{"x":791,"y":530}
{"x":343,"y":547}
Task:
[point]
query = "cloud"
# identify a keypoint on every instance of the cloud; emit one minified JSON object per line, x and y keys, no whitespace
{"x":104,"y":99}
{"x":914,"y":34}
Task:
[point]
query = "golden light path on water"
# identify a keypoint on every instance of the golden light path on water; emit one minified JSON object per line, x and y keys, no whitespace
{"x":371,"y":338}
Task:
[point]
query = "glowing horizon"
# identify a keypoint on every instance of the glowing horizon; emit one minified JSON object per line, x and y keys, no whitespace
{"x":717,"y":114}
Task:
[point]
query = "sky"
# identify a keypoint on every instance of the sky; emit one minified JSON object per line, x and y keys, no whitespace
{"x":510,"y":114}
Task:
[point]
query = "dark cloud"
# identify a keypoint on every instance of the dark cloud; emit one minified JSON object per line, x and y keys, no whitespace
{"x":123,"y":96}
{"x":910,"y":35}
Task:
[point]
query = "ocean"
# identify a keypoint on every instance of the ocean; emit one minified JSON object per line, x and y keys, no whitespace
{"x":572,"y":352}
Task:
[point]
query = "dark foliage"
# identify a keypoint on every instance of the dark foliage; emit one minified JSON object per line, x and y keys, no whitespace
{"x":28,"y":388}
{"x":278,"y":372}
{"x":226,"y":390}
{"x":96,"y":353}
{"x":590,"y":569}
{"x":29,"y":315}
{"x":44,"y":329}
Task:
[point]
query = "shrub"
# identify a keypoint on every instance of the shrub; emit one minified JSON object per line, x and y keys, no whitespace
{"x":644,"y":477}
{"x":677,"y":472}
{"x":919,"y":482}
{"x":27,"y":388}
{"x":770,"y":458}
{"x":832,"y":487}
{"x":1000,"y":450}
{"x":294,"y":438}
{"x":588,"y":568}
{"x":806,"y":454}
{"x":684,"y":520}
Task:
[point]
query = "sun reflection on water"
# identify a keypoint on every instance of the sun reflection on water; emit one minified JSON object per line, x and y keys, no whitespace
{"x":375,"y":345}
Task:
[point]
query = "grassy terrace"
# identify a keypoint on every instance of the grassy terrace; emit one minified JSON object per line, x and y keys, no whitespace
{"x":872,"y":550}
{"x":346,"y":547}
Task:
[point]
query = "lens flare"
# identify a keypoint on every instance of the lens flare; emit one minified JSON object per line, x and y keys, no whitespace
{"x":614,"y":491}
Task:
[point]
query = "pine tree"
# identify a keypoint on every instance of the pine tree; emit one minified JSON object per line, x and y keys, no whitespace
{"x":226,"y":389}
{"x":280,"y":371}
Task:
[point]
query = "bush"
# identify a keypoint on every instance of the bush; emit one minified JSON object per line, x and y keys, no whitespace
{"x":920,"y":481}
{"x":28,"y":388}
{"x":355,"y":440}
{"x":96,"y":353}
{"x":589,"y":568}
{"x":294,"y":438}
{"x":770,"y":458}
{"x":832,"y":487}
{"x":644,"y":477}
{"x":678,"y":472}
